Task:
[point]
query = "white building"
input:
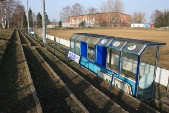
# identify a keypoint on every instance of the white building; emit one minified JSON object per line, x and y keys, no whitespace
{"x":137,"y":25}
{"x":51,"y":26}
{"x":65,"y":24}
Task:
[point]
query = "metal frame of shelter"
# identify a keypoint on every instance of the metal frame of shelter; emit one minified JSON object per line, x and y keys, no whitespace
{"x":119,"y":57}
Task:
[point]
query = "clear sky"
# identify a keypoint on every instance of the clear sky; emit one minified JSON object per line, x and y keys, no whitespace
{"x":54,"y":7}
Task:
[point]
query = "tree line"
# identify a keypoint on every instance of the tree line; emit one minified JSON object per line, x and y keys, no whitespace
{"x":158,"y":18}
{"x":14,"y":15}
{"x":78,"y":9}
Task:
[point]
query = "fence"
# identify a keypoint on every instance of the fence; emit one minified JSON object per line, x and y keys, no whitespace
{"x":162,"y":75}
{"x":59,"y":40}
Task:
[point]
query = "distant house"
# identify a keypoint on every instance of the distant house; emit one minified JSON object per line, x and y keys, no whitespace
{"x":50,"y":26}
{"x":65,"y":24}
{"x":141,"y":25}
{"x":137,"y":25}
{"x":151,"y":25}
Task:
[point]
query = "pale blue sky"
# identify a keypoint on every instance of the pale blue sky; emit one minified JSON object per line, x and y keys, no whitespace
{"x":54,"y":7}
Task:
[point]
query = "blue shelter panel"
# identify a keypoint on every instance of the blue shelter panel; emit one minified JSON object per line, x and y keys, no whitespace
{"x":95,"y":68}
{"x":84,"y":62}
{"x":101,"y":55}
{"x":83,"y":51}
{"x":121,"y":58}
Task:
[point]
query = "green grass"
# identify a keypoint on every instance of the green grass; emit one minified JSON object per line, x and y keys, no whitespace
{"x":5,"y":34}
{"x":15,"y":93}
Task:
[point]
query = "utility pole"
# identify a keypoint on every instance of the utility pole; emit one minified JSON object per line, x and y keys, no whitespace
{"x":28,"y":16}
{"x":43,"y":22}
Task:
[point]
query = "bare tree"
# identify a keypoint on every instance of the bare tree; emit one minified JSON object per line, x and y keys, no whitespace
{"x":154,"y":15}
{"x":107,"y":6}
{"x":6,"y":11}
{"x":73,"y":11}
{"x":113,"y":8}
{"x":138,"y":17}
{"x":77,"y":10}
{"x":2,"y":14}
{"x":17,"y":16}
{"x":65,"y":13}
{"x":118,"y":6}
{"x":34,"y":19}
{"x":91,"y":10}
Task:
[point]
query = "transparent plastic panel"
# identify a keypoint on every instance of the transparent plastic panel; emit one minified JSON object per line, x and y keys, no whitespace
{"x":146,"y":75}
{"x":78,"y":44}
{"x":78,"y":48}
{"x":93,"y":40}
{"x":116,"y":44}
{"x":104,"y":41}
{"x":133,"y":48}
{"x":85,"y":38}
{"x":129,"y":65}
{"x":72,"y":47}
{"x":113,"y":60}
{"x":72,"y":44}
{"x":79,"y":37}
{"x":91,"y":52}
{"x":73,"y":36}
{"x":149,"y":55}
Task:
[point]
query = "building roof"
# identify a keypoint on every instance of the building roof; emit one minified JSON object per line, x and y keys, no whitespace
{"x":100,"y":13}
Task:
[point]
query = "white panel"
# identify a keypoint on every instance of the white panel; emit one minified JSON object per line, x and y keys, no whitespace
{"x":61,"y":41}
{"x":162,"y":76}
{"x":68,"y":43}
{"x":104,"y":76}
{"x":57,"y":39}
{"x":117,"y":82}
{"x":64,"y":42}
{"x":52,"y":38}
{"x":115,"y":60}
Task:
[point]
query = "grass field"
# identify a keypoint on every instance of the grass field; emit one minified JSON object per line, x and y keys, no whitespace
{"x":15,"y":92}
{"x":157,"y":35}
{"x":5,"y":34}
